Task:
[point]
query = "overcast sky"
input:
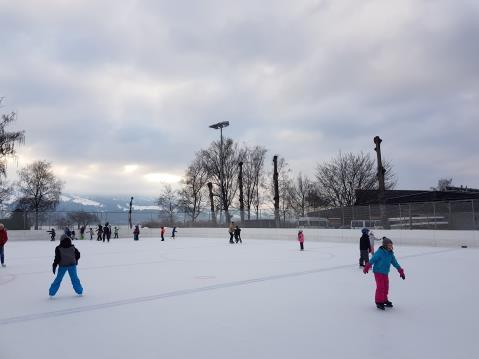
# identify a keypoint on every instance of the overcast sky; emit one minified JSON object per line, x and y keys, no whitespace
{"x":118,"y":95}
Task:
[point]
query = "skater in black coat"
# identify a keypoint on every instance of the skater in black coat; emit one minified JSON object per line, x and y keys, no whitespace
{"x":238,"y":234}
{"x":364,"y":247}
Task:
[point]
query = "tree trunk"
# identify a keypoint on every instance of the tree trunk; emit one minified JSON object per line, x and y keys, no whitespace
{"x":276,"y":190}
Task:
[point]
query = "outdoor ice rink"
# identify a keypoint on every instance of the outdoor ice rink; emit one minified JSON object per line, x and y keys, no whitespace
{"x":205,"y":298}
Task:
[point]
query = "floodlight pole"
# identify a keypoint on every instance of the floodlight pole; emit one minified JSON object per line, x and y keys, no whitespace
{"x":220,"y":126}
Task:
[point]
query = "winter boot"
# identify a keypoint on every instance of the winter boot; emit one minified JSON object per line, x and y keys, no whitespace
{"x":380,"y":306}
{"x":388,"y":304}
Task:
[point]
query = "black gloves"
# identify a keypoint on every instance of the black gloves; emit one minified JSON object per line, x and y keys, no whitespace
{"x":54,"y":268}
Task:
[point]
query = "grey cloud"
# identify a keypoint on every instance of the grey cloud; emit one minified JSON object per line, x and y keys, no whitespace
{"x":140,"y":82}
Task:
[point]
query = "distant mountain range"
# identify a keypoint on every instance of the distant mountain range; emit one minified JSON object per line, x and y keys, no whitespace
{"x":72,"y":202}
{"x":107,"y":208}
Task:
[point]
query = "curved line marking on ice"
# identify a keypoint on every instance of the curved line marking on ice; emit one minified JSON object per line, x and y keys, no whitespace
{"x":181,"y":292}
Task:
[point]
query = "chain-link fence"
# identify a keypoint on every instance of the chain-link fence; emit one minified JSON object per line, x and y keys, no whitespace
{"x":456,"y":215}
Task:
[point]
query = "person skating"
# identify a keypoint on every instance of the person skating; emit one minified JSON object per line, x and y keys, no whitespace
{"x":108,"y":233}
{"x":73,"y":235}
{"x":105,"y":232}
{"x":162,"y":233}
{"x":301,"y":239}
{"x":52,"y":234}
{"x":136,"y":232}
{"x":82,"y":232}
{"x":381,"y":263}
{"x":91,"y":233}
{"x":173,"y":232}
{"x":116,"y":230}
{"x":66,"y":259}
{"x":237,"y":234}
{"x":67,"y":232}
{"x":364,"y":247}
{"x":3,"y":240}
{"x":99,"y":232}
{"x":231,"y":230}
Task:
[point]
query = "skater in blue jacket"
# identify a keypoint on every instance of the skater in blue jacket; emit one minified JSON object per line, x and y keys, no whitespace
{"x":381,"y":262}
{"x":66,"y":259}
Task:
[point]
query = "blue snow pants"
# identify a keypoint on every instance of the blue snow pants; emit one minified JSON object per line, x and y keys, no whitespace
{"x":72,"y":272}
{"x":2,"y":254}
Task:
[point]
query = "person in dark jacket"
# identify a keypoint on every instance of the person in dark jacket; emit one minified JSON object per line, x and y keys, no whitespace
{"x":99,"y":232}
{"x":66,"y":259}
{"x":238,"y":234}
{"x":52,"y":234}
{"x":136,"y":232}
{"x":364,"y":247}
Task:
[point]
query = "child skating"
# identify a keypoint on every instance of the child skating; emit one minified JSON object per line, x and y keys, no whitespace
{"x":162,"y":233}
{"x":364,"y":247}
{"x":136,"y":232}
{"x":301,"y":239}
{"x":66,"y":258}
{"x":173,"y":233}
{"x":381,"y":263}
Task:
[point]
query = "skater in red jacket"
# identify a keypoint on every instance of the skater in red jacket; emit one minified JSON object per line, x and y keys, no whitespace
{"x":3,"y":240}
{"x":301,"y":239}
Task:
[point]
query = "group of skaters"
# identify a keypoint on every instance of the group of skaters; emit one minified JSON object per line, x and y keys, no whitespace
{"x":103,"y":233}
{"x":67,"y":256}
{"x":136,"y":233}
{"x":380,"y":262}
{"x":235,"y":232}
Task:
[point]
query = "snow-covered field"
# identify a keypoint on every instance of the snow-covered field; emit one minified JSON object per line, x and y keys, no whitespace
{"x":205,"y":298}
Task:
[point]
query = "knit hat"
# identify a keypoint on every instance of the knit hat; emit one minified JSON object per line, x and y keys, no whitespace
{"x":365,"y":231}
{"x":386,"y":241}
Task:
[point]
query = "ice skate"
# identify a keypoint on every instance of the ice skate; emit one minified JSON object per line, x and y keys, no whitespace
{"x":388,"y":304}
{"x":380,"y":306}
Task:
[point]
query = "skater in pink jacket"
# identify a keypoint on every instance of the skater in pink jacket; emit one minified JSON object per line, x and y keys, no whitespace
{"x":301,"y":239}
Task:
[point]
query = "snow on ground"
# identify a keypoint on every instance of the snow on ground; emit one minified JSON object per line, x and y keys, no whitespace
{"x":205,"y":298}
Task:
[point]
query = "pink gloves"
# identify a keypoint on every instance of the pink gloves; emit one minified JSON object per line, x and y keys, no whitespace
{"x":366,"y":268}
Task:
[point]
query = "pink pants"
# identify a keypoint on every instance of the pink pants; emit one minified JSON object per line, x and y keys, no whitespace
{"x":382,"y":287}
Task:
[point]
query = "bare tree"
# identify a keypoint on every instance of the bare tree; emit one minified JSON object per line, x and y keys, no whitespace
{"x":338,"y":179}
{"x":299,"y":191}
{"x":7,"y":149}
{"x":39,"y":188}
{"x":193,"y":194}
{"x":211,"y":162}
{"x":253,"y":172}
{"x":442,"y":184}
{"x":169,"y":201}
{"x":82,"y":218}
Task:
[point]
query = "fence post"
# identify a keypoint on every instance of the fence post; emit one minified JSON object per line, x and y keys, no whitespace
{"x":434,"y":213}
{"x":410,"y":217}
{"x":473,"y":216}
{"x":400,"y":217}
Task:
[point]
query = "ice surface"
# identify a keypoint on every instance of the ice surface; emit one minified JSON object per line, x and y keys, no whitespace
{"x":205,"y":298}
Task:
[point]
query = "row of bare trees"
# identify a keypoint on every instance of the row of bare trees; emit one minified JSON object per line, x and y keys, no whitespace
{"x":248,"y":184}
{"x":37,"y":187}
